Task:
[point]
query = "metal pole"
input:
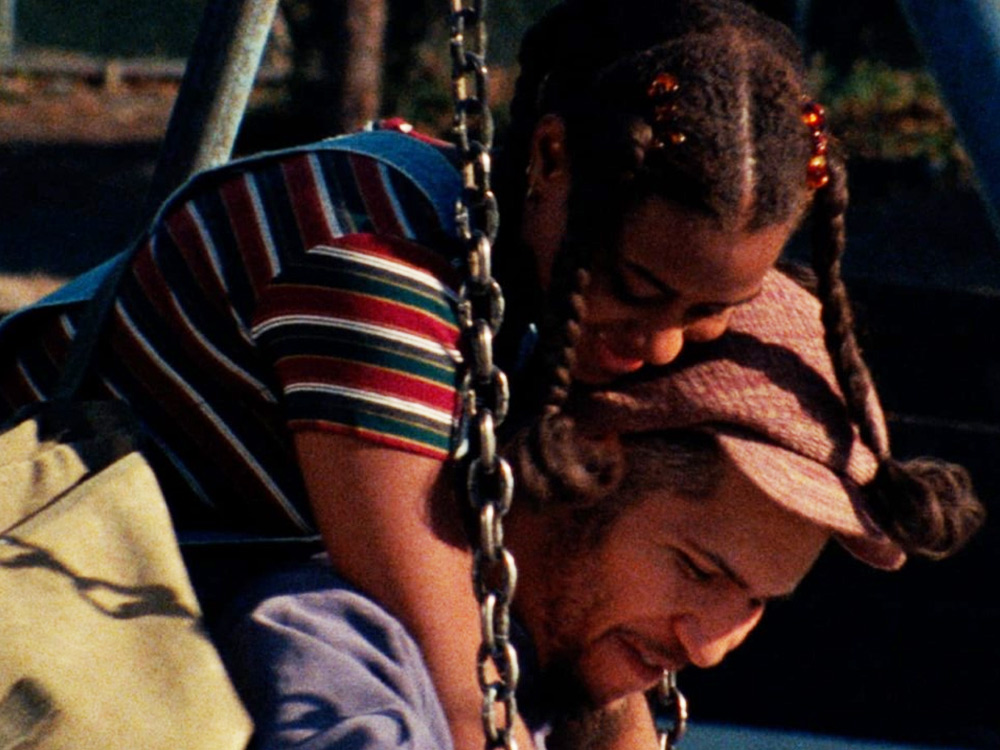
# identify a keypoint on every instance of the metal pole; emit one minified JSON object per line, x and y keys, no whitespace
{"x":213,"y":94}
{"x":6,"y":30}
{"x":960,"y":40}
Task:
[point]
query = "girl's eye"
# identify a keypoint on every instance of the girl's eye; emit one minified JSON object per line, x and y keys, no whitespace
{"x":633,"y":289}
{"x":630,"y":294}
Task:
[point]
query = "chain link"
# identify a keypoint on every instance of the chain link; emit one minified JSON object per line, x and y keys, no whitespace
{"x":484,"y":390}
{"x":670,"y":711}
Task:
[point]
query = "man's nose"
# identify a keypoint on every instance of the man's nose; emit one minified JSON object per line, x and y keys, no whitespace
{"x":707,"y":638}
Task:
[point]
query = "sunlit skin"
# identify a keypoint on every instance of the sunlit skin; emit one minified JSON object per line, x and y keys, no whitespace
{"x":674,"y":277}
{"x":675,"y":581}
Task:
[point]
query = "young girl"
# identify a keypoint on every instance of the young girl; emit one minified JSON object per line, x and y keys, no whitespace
{"x":287,"y":334}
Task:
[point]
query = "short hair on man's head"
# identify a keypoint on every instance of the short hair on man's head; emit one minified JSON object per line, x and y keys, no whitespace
{"x":687,"y":462}
{"x":597,"y":479}
{"x":564,"y":466}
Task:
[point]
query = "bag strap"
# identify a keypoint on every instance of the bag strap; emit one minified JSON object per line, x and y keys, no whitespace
{"x":98,"y":288}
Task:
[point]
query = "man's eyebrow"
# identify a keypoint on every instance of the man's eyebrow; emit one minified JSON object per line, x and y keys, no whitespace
{"x":729,"y":572}
{"x":668,"y":291}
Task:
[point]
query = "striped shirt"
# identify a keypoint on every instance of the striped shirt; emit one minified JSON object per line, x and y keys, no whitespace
{"x":306,"y":290}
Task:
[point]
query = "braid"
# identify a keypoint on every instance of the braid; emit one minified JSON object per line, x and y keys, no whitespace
{"x":740,"y":73}
{"x":925,"y":505}
{"x":562,"y":327}
{"x":545,"y":451}
{"x":853,"y":376}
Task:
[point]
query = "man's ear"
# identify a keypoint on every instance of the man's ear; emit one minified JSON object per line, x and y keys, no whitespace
{"x":548,"y":160}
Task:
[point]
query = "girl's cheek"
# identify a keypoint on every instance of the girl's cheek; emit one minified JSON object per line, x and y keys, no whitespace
{"x":711,"y":328}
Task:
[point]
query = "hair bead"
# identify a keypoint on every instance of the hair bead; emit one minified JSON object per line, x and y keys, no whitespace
{"x":818,"y":170}
{"x":662,"y":93}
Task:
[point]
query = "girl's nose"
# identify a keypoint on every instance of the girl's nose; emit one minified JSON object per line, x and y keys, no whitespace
{"x":663,"y":345}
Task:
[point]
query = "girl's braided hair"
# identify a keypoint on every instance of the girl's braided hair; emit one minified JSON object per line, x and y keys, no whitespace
{"x":730,"y":145}
{"x":928,"y":506}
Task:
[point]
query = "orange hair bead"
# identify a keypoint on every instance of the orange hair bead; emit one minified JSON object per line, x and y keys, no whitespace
{"x":662,"y":92}
{"x":818,"y":169}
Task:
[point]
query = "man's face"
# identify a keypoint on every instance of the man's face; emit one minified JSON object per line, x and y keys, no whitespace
{"x":673,"y":581}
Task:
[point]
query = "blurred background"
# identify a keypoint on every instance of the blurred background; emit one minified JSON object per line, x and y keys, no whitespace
{"x":86,"y":90}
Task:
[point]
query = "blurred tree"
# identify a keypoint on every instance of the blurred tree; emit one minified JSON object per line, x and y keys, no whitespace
{"x":337,"y":62}
{"x":354,"y":60}
{"x":6,"y":28}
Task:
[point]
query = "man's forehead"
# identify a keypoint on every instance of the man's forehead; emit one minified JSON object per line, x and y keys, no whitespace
{"x":744,"y":533}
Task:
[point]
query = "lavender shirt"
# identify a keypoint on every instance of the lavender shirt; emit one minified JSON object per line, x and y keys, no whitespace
{"x":321,"y":666}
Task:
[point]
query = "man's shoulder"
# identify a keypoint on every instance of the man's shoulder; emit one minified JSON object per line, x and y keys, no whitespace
{"x":306,"y":632}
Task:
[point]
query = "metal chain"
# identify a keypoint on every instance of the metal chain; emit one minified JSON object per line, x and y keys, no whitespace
{"x":485,"y":395}
{"x":670,"y":711}
{"x":489,"y":482}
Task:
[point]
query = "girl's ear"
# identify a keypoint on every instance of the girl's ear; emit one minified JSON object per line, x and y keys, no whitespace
{"x":548,"y":160}
{"x":544,"y":215}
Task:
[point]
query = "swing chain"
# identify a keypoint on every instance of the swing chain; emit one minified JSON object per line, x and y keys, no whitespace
{"x":484,"y":390}
{"x":670,"y":711}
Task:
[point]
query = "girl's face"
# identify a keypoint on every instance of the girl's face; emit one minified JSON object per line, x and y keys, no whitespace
{"x":675,"y":277}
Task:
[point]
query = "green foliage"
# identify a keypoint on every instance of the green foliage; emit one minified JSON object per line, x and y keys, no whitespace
{"x":508,"y":20}
{"x":890,"y":114}
{"x":111,"y":28}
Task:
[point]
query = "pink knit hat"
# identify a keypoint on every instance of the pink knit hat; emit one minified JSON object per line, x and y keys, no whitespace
{"x":767,"y":390}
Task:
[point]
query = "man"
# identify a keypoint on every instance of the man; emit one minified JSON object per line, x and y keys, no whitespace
{"x":653,"y":524}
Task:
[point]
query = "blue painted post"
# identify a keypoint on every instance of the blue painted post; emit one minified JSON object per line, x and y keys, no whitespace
{"x":960,"y":40}
{"x":213,"y":95}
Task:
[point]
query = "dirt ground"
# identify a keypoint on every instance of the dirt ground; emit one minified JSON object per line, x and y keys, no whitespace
{"x":79,"y":141}
{"x":100,"y":104}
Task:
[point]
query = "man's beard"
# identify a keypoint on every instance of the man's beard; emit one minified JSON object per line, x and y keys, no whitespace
{"x":576,"y":589}
{"x":577,"y":724}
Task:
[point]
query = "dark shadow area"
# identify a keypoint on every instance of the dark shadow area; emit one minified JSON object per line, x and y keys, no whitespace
{"x":65,"y":207}
{"x":115,"y":600}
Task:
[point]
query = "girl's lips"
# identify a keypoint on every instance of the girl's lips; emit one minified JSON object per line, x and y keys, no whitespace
{"x":600,"y":354}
